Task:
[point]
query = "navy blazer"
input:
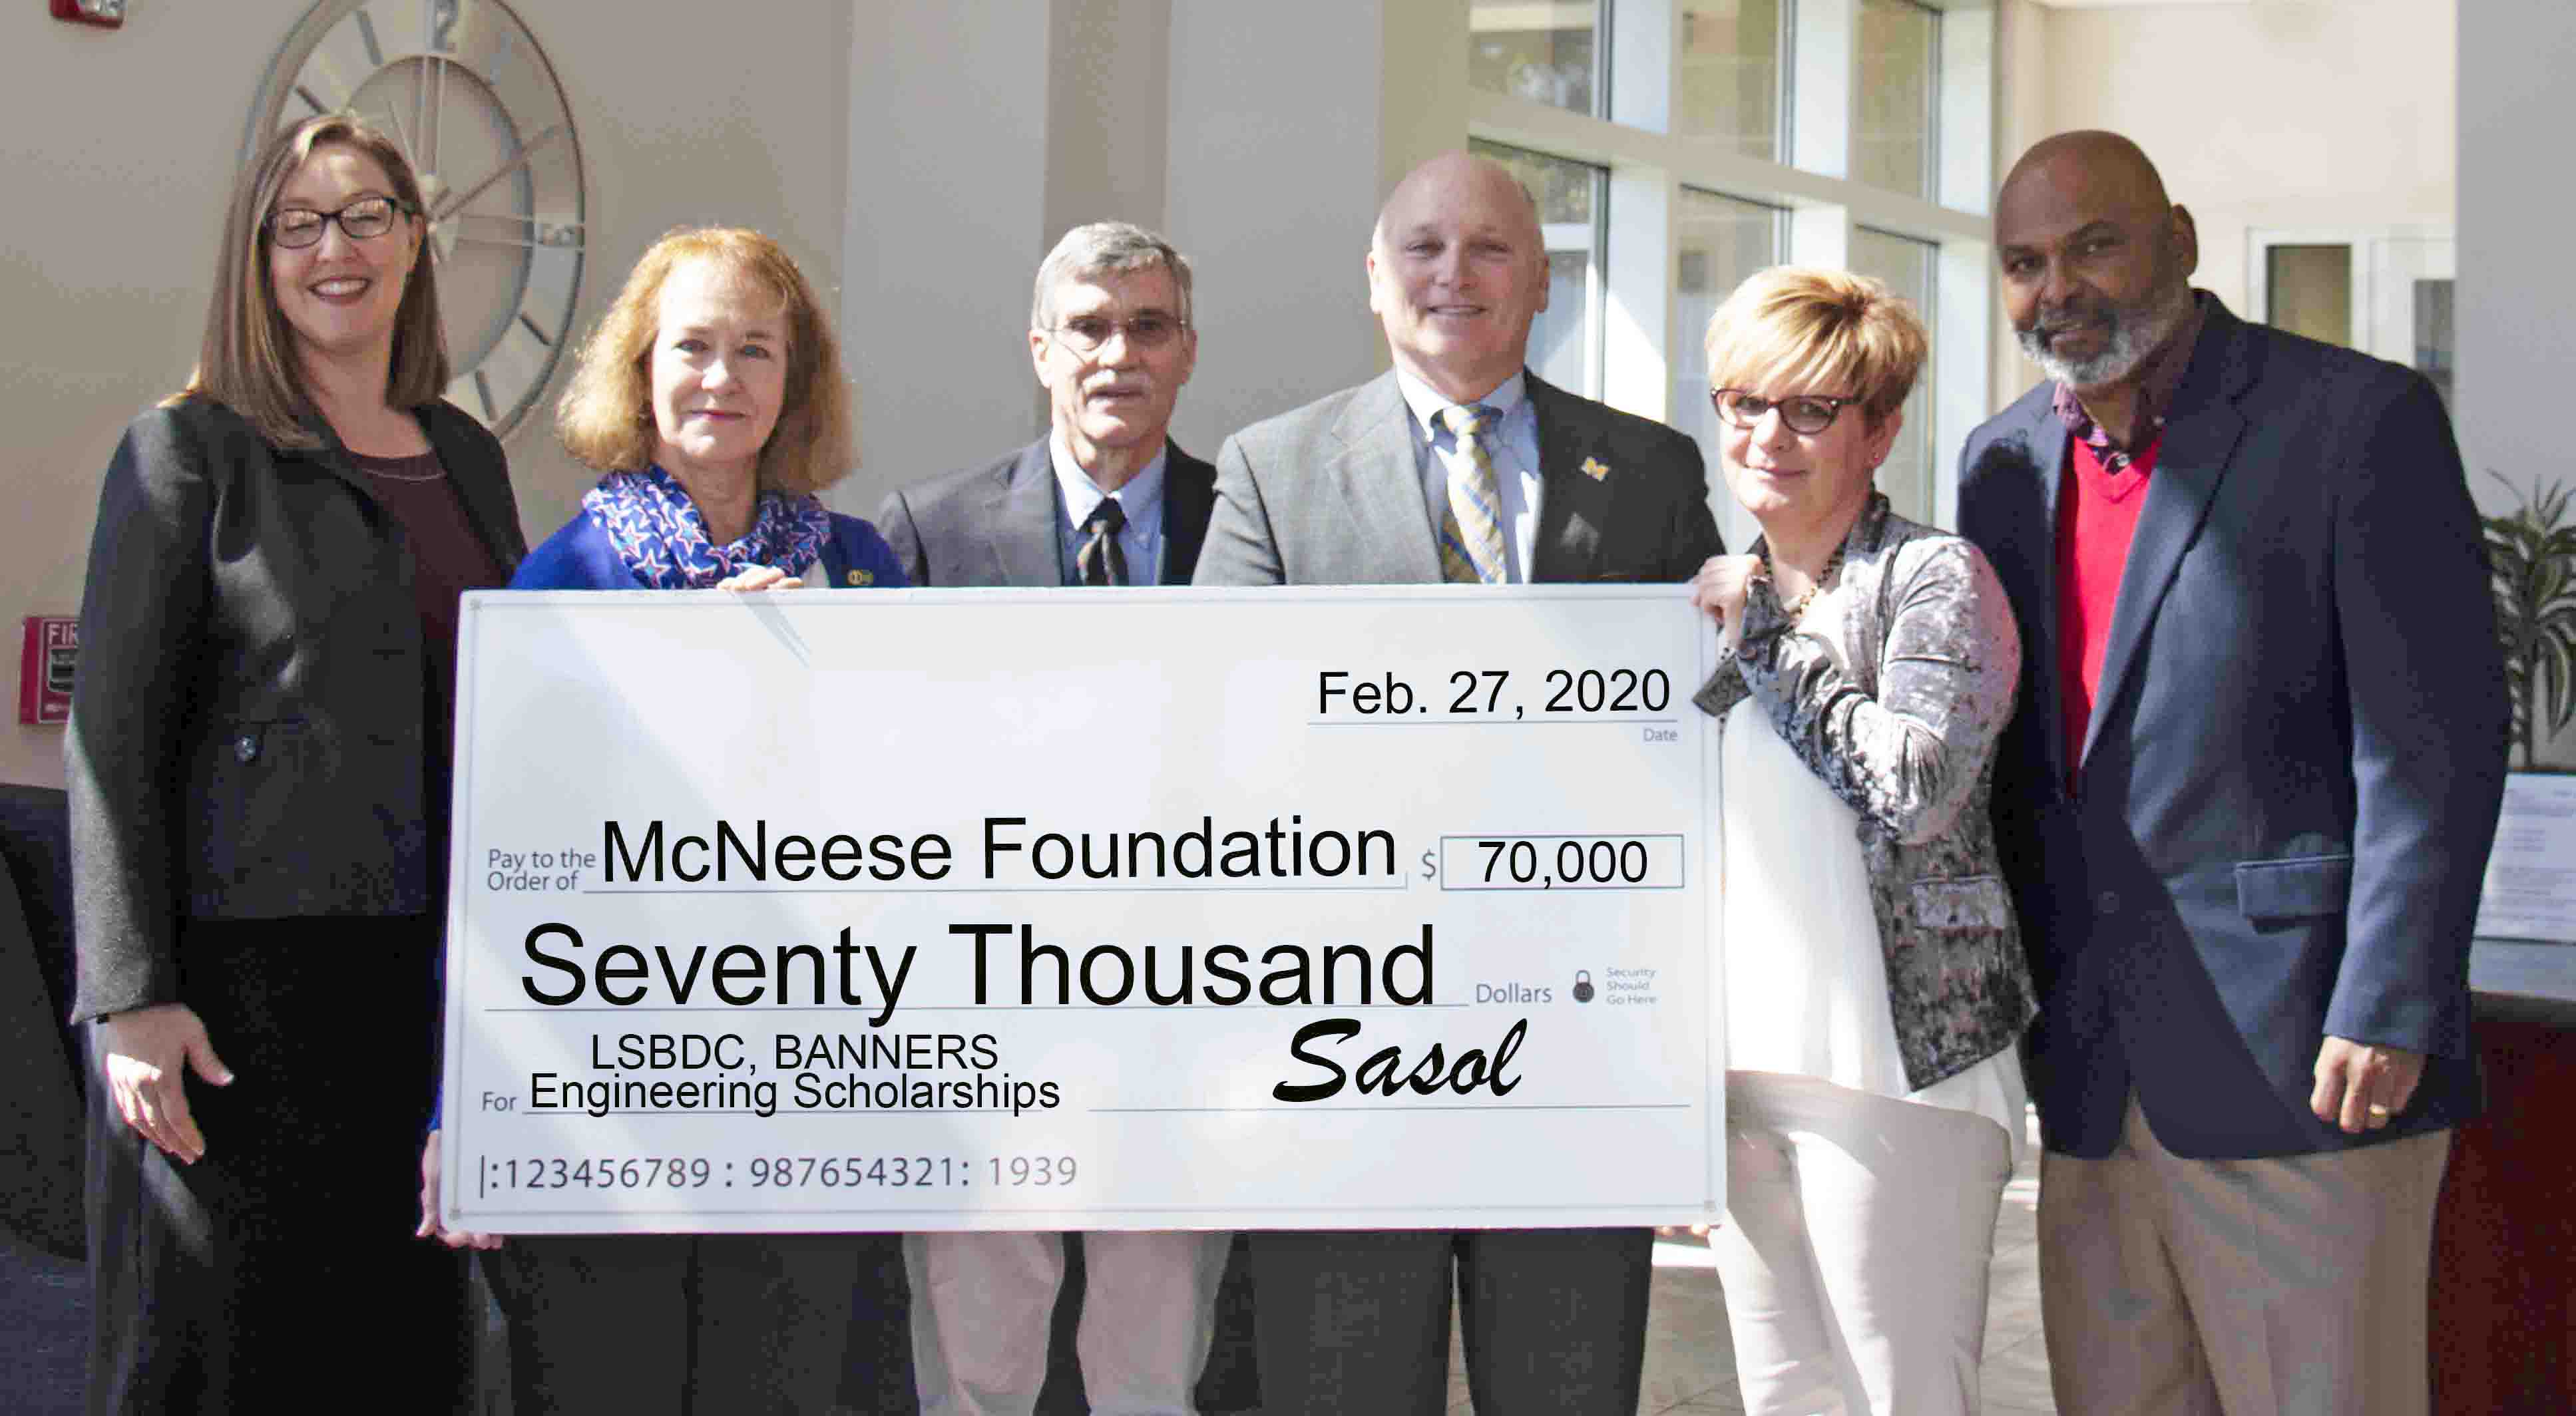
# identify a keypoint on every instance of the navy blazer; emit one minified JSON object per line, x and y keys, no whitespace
{"x":2290,"y":779}
{"x":995,"y":524}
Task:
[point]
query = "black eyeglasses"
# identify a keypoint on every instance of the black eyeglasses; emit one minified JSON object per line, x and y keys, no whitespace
{"x":1084,"y":334}
{"x":1808,"y":413}
{"x":362,"y":220}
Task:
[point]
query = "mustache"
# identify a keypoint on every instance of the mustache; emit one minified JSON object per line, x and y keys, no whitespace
{"x":2049,"y":321}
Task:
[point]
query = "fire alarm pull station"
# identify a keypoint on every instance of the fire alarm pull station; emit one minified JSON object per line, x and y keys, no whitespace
{"x":45,"y":668}
{"x":108,"y":14}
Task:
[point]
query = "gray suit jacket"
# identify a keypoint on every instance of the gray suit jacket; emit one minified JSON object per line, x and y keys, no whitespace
{"x":1330,"y":494}
{"x":996,"y":524}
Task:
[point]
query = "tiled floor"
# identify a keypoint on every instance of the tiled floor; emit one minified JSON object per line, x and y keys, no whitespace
{"x":1690,"y":1363}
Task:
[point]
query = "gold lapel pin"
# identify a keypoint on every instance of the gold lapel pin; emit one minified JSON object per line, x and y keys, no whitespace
{"x":863,"y":577}
{"x":1595,"y":468}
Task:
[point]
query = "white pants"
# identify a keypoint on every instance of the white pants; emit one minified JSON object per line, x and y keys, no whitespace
{"x":1853,"y":1257}
{"x":982,"y":1305}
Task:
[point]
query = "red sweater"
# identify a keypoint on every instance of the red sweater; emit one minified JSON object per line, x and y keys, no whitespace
{"x":2097,"y":516}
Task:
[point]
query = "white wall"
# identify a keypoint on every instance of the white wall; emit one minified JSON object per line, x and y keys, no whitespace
{"x":1284,"y":140}
{"x":946,"y":223}
{"x":121,"y":145}
{"x":2516,"y":311}
{"x":2516,"y":307}
{"x":2283,"y":113}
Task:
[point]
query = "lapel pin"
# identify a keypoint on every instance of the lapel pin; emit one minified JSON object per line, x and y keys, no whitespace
{"x":863,"y":577}
{"x":1595,"y":468}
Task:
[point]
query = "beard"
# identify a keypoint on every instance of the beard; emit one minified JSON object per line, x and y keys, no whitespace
{"x":2135,"y":331}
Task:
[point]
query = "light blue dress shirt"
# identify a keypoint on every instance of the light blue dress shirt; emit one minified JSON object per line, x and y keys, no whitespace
{"x":1514,"y":452}
{"x":1140,"y":540}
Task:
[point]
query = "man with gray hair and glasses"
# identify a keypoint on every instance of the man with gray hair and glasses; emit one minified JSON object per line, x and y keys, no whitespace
{"x":1105,"y":498}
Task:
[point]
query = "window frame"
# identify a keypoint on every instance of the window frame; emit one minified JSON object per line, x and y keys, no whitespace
{"x":1650,"y":165}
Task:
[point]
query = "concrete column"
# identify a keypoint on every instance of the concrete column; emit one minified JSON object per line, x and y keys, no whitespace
{"x":947,"y":216}
{"x":1287,"y":127}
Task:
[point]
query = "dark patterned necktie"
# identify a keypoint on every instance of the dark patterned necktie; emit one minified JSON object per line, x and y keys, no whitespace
{"x":1101,"y":561}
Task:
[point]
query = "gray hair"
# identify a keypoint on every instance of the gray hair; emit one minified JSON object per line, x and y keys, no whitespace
{"x":1106,"y":246}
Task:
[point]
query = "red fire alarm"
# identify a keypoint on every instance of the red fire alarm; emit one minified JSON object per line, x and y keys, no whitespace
{"x":45,"y":669}
{"x":108,"y":14}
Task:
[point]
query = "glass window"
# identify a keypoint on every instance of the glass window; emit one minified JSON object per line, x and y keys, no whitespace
{"x":1730,"y":74}
{"x":1909,"y":267}
{"x":2310,"y":290}
{"x":1897,"y":96}
{"x":1573,"y":207}
{"x":2433,"y":340}
{"x":1718,"y":241}
{"x":1547,"y":51}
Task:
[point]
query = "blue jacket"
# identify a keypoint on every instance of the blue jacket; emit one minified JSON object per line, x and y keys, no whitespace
{"x":2290,"y":777}
{"x":579,"y":557}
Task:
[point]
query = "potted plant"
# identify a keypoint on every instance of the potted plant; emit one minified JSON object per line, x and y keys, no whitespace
{"x":2533,"y":553}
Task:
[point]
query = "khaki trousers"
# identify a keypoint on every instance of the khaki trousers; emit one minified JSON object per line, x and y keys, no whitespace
{"x":983,"y":1302}
{"x":2292,"y":1284}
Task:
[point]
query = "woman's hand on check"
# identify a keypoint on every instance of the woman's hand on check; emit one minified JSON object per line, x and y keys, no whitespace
{"x":430,"y":1225}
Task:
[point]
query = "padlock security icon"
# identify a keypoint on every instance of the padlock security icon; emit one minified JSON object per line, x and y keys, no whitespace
{"x":1582,"y":986}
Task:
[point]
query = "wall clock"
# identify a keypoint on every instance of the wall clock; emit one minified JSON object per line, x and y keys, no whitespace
{"x":464,"y":88}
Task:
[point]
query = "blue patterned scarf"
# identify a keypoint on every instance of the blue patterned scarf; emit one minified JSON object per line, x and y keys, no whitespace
{"x":657,"y":531}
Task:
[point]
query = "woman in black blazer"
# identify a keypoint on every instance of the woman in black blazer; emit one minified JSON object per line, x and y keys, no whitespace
{"x":257,"y":766}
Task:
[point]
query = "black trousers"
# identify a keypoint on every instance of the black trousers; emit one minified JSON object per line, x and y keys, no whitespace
{"x":1357,"y":1321}
{"x":253,"y":1279}
{"x":718,"y":1323}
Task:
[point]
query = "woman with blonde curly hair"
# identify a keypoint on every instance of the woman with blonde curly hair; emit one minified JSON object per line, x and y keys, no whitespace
{"x":1874,"y":974}
{"x":712,"y":398}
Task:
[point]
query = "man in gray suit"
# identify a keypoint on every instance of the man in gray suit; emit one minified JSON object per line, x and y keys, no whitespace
{"x":1457,"y":465}
{"x":1105,"y":498}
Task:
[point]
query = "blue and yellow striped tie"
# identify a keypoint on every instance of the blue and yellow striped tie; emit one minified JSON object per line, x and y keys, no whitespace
{"x":1471,"y":534}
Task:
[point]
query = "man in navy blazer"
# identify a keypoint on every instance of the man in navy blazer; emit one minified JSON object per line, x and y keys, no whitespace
{"x":1105,"y":498}
{"x":2245,"y":807}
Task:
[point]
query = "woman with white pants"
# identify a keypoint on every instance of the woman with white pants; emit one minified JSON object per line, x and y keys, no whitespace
{"x":1875,"y":982}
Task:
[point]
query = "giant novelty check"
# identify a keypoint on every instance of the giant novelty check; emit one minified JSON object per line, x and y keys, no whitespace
{"x":1017,"y":910}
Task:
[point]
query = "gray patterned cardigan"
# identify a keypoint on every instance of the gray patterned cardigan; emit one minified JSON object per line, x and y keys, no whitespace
{"x":1896,"y":708}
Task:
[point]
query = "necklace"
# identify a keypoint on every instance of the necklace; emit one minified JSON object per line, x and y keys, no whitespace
{"x":1798,"y":607}
{"x":382,"y":475}
{"x":381,"y":468}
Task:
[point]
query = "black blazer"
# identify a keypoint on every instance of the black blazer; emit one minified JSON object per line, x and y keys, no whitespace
{"x":2290,"y":779}
{"x":996,"y":524}
{"x":246,"y":731}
